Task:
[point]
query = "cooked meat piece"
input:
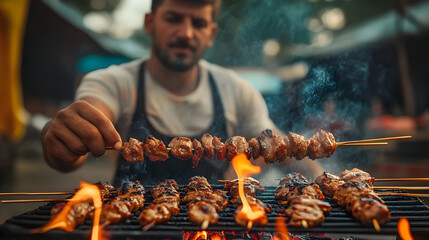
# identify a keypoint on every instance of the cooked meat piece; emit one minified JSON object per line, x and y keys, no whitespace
{"x":207,"y":142}
{"x":220,"y":148}
{"x":130,"y":199}
{"x":298,"y":146}
{"x":351,"y":191}
{"x":204,"y":203}
{"x":329,"y":183}
{"x":155,"y":149}
{"x":79,"y":211}
{"x":255,"y":148}
{"x":321,"y":144}
{"x":254,"y":182}
{"x":156,"y":213}
{"x":198,"y":153}
{"x":181,"y":147}
{"x":273,"y":147}
{"x":294,"y":179}
{"x":200,"y":211}
{"x":241,"y":219}
{"x":366,"y":209}
{"x":310,"y":210}
{"x":236,"y":145}
{"x":357,"y":175}
{"x":285,"y":193}
{"x":133,"y":151}
{"x":165,"y":204}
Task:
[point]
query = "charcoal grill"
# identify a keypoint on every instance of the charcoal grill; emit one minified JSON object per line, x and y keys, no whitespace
{"x":338,"y":221}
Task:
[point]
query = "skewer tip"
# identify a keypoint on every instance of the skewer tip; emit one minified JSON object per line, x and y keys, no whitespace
{"x":205,"y":224}
{"x":376,"y":225}
{"x":249,"y":224}
{"x":304,"y":223}
{"x":148,"y":226}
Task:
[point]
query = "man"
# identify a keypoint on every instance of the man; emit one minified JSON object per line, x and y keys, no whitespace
{"x":173,"y":93}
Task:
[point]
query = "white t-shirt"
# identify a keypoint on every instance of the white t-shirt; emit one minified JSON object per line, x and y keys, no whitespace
{"x":245,"y":110}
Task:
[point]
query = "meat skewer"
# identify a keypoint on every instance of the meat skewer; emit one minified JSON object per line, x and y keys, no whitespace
{"x":165,"y":204}
{"x":269,"y":145}
{"x":130,"y":198}
{"x":306,"y":205}
{"x":204,"y":202}
{"x":79,"y":211}
{"x":356,"y":194}
{"x":250,"y":187}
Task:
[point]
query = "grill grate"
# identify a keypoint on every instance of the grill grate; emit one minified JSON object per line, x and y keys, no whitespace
{"x":337,"y":221}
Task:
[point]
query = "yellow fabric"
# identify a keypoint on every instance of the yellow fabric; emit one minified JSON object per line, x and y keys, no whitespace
{"x":12,"y":23}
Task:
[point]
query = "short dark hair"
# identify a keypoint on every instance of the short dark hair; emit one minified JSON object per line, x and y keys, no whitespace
{"x":215,"y":3}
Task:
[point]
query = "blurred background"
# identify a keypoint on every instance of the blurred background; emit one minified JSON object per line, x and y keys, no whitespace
{"x":357,"y":68}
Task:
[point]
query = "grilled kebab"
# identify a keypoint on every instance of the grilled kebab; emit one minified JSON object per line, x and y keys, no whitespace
{"x":79,"y":211}
{"x":269,"y":145}
{"x":305,"y":200}
{"x":353,"y":190}
{"x":165,"y":204}
{"x":204,"y":202}
{"x":250,"y":187}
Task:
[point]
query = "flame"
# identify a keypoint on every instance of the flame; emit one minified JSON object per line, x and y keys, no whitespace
{"x":212,"y":235}
{"x":243,"y":168}
{"x":87,"y":191}
{"x":281,"y":228}
{"x":404,"y":229}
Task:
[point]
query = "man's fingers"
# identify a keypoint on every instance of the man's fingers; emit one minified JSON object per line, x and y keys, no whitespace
{"x":73,"y":142}
{"x":57,"y":149}
{"x":103,"y":124}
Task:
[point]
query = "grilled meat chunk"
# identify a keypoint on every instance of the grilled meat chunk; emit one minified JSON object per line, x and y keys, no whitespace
{"x":198,"y":153}
{"x":155,"y":149}
{"x":308,"y":209}
{"x":200,"y":211}
{"x":350,"y":191}
{"x":329,"y":183}
{"x":357,"y":175}
{"x":273,"y":147}
{"x":133,"y":151}
{"x":321,"y":144}
{"x":236,"y":145}
{"x":366,"y":209}
{"x":241,"y":219}
{"x":285,"y":193}
{"x":165,"y":204}
{"x":181,"y":147}
{"x":220,"y":148}
{"x":298,"y":146}
{"x":207,"y":142}
{"x":255,"y":148}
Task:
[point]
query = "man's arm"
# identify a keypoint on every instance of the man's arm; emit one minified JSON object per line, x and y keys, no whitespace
{"x":82,"y":127}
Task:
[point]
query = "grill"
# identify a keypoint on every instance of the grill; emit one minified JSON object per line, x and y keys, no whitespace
{"x":338,"y":221}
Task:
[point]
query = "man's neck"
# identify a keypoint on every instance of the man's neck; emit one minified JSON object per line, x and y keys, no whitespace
{"x":178,"y":83}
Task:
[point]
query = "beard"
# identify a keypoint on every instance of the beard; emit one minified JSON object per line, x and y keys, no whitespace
{"x":178,"y":62}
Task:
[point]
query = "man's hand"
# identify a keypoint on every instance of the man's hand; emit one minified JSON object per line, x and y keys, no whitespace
{"x":75,"y":131}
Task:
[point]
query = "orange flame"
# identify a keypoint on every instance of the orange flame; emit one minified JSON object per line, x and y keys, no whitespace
{"x":87,"y":191}
{"x":404,"y":229}
{"x":212,"y":235}
{"x":243,"y":168}
{"x":281,"y":228}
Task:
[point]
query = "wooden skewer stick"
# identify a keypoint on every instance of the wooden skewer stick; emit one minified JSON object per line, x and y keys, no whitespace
{"x":402,"y":188}
{"x":282,"y":202}
{"x":365,"y":144}
{"x":249,"y":225}
{"x":402,"y":179}
{"x":39,"y":200}
{"x":376,"y":225}
{"x":404,"y":194}
{"x":34,"y":200}
{"x":148,"y":226}
{"x":374,"y":140}
{"x":304,"y":223}
{"x":40,"y":193}
{"x":205,"y":224}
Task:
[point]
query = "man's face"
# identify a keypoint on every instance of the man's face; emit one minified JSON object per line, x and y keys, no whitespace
{"x":181,"y":32}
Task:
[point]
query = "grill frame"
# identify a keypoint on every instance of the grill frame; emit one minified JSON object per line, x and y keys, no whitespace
{"x":338,"y":221}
